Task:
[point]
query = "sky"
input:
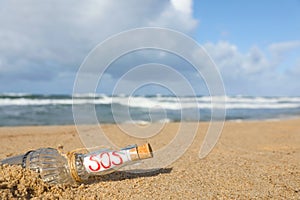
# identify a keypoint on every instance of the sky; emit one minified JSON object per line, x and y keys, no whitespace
{"x":255,"y":45}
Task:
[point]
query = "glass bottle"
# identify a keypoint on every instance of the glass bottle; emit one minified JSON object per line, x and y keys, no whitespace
{"x":55,"y":167}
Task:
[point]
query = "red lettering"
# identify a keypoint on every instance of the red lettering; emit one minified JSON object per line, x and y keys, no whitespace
{"x":98,"y":164}
{"x":114,"y":153}
{"x":109,"y":162}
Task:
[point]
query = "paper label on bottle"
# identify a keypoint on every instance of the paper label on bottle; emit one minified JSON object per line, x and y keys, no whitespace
{"x":106,"y":160}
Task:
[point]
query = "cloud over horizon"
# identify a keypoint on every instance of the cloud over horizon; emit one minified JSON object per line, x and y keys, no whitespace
{"x":44,"y":43}
{"x":260,"y":73}
{"x":47,"y":40}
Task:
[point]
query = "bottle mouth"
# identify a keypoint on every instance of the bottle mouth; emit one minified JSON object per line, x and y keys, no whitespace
{"x":141,"y":152}
{"x":145,"y":151}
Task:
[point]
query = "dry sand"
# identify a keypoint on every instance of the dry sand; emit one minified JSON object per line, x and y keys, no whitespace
{"x":251,"y":160}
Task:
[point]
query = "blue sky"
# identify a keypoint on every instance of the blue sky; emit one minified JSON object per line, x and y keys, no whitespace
{"x":248,"y":23}
{"x":255,"y":44}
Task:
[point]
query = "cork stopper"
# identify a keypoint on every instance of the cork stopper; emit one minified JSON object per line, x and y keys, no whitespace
{"x":141,"y":152}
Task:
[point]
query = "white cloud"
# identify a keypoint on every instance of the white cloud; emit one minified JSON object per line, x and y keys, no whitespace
{"x":56,"y":36}
{"x":175,"y":14}
{"x":253,"y":72}
{"x":283,"y":47}
{"x":184,"y":6}
{"x":255,"y":61}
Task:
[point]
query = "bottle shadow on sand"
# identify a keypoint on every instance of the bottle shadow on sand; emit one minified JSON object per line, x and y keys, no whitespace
{"x":123,"y":175}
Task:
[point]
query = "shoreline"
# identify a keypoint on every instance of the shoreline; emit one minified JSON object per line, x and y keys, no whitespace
{"x":168,"y":122}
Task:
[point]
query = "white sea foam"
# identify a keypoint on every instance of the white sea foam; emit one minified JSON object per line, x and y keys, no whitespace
{"x":144,"y":123}
{"x":12,"y":94}
{"x":158,"y":102}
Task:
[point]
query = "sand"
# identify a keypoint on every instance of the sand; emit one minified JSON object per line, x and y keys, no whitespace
{"x":258,"y":160}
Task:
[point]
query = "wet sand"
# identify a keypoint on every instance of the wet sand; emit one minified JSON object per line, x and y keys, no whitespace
{"x":251,"y":160}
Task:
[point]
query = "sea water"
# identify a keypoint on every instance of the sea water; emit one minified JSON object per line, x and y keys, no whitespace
{"x":31,"y":109}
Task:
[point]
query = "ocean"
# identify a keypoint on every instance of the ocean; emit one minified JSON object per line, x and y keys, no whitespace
{"x":33,"y":109}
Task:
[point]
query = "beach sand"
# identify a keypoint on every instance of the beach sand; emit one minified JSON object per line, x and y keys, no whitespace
{"x":251,"y":160}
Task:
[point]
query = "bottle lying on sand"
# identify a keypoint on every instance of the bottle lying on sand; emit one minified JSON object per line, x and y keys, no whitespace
{"x":55,"y":167}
